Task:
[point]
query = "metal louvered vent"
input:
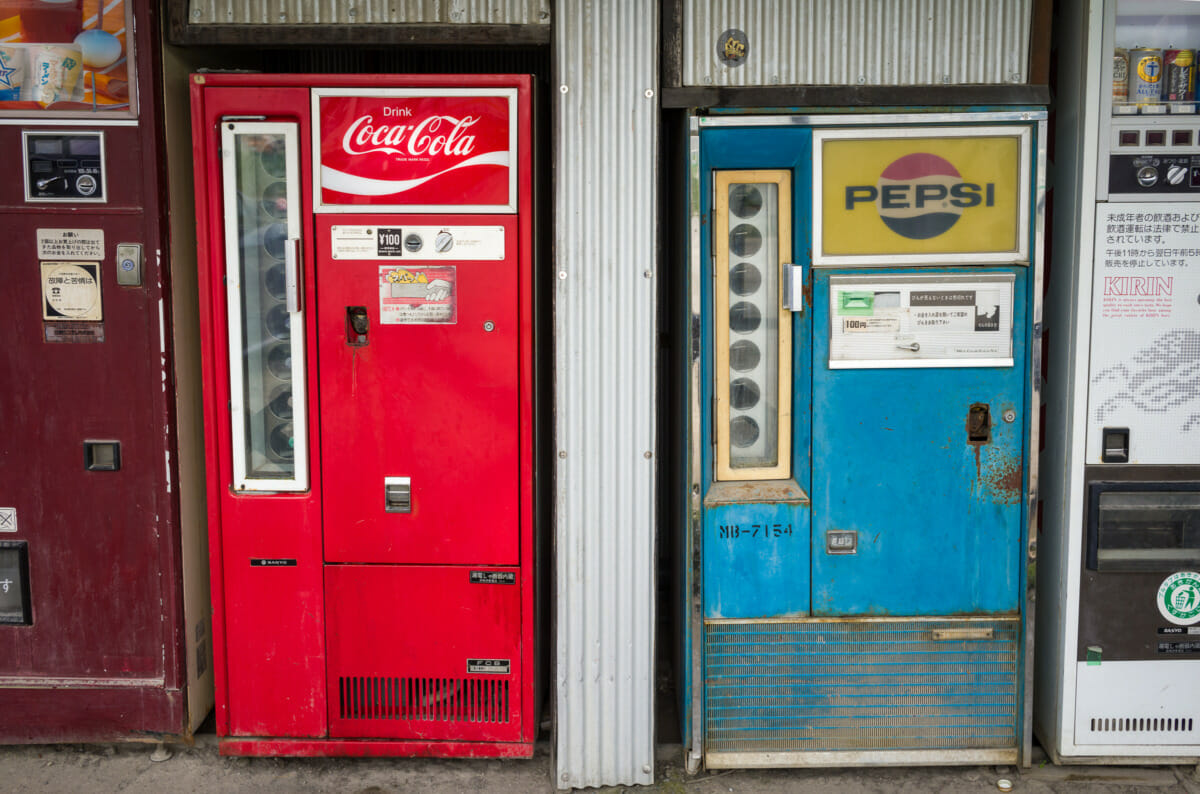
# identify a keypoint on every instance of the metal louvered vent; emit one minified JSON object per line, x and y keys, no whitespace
{"x":1143,"y":724}
{"x":436,"y":699}
{"x":861,"y":684}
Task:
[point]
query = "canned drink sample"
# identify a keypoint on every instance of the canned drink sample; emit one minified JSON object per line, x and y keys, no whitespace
{"x":1120,"y":75}
{"x":56,"y":69}
{"x":1179,"y":75}
{"x":1145,"y":76}
{"x":12,"y":71}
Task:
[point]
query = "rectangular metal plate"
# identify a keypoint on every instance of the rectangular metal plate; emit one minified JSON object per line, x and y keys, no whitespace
{"x":841,"y":541}
{"x":420,"y":243}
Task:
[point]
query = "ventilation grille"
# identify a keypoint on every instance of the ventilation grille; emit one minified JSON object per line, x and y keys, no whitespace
{"x":432,"y":699}
{"x":1142,"y":724}
{"x":861,"y":685}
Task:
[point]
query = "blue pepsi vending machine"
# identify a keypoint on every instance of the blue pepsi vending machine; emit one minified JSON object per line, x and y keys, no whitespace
{"x":865,"y":305}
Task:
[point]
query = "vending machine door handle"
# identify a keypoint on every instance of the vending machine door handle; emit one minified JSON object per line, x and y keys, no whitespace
{"x":793,"y":288}
{"x":291,"y":271}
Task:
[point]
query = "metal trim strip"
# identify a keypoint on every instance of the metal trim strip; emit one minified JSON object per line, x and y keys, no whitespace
{"x":728,"y":760}
{"x":871,"y":119}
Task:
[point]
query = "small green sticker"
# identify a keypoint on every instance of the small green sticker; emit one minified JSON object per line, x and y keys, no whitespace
{"x":1093,"y":655}
{"x":856,"y":304}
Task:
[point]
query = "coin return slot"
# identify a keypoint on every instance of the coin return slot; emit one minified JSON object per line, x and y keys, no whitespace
{"x":1116,"y":445}
{"x":397,"y":494}
{"x":1156,"y":138}
{"x":102,"y":455}
{"x":1181,"y":138}
{"x":1130,"y":137}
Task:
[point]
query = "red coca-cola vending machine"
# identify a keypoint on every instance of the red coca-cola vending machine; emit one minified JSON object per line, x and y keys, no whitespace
{"x":365,"y":250}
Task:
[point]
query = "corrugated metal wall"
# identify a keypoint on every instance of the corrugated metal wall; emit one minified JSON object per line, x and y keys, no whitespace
{"x":368,"y":12}
{"x":606,"y":132}
{"x":859,"y":42}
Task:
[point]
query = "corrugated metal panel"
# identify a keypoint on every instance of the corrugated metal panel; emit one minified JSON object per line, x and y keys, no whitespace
{"x":368,"y":12}
{"x":859,"y":42}
{"x":606,"y":219}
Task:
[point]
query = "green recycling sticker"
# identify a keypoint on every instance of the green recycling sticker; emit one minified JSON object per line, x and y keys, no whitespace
{"x":1179,"y":598}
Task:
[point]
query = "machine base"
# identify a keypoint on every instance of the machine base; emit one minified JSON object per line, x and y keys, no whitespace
{"x":363,"y":748}
{"x":75,"y":712}
{"x":861,"y":758}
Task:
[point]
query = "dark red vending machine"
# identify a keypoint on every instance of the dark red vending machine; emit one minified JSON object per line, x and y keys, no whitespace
{"x":365,"y":257}
{"x":98,"y":640}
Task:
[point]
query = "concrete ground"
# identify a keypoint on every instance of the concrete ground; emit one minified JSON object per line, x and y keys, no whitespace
{"x":128,"y":768}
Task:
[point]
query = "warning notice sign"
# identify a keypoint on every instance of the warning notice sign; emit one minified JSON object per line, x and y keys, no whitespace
{"x":418,"y":295}
{"x":1145,"y":347}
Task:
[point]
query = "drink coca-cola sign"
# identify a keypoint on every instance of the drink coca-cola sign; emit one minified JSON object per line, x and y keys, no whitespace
{"x":416,"y":149}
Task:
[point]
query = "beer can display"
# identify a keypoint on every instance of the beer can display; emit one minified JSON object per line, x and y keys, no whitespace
{"x":1145,"y":76}
{"x":1179,"y":76}
{"x":1120,"y":76}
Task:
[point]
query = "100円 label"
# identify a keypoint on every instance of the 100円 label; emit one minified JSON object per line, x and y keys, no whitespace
{"x":1179,"y":598}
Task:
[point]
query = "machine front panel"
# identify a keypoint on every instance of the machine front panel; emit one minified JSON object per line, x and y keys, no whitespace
{"x":922,"y":464}
{"x":417,"y":319}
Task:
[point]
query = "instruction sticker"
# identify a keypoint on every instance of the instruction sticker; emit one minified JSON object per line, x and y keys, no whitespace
{"x":921,"y":321}
{"x":71,"y":291}
{"x":70,"y":244}
{"x":418,"y":295}
{"x":418,"y":243}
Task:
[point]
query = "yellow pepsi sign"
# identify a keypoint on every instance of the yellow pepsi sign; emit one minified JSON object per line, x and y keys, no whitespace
{"x":953,"y":194}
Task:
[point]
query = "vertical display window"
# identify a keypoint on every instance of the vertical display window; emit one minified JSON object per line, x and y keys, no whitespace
{"x":67,"y":57}
{"x":752,"y":240}
{"x":261,"y":190}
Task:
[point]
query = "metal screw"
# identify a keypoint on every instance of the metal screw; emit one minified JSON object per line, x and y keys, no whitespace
{"x":648,"y":274}
{"x":647,"y":768}
{"x":862,"y":79}
{"x":196,"y":13}
{"x":1010,"y":415}
{"x":562,"y":454}
{"x":647,"y":455}
{"x":352,"y":12}
{"x":562,"y":89}
{"x":489,"y":326}
{"x":562,"y":275}
{"x":566,"y":776}
{"x":649,"y":93}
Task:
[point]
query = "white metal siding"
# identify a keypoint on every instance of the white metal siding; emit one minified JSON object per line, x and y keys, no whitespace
{"x":605,"y":237}
{"x":368,"y":12}
{"x":859,"y":42}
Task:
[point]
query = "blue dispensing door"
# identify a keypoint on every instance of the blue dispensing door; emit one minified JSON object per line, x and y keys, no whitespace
{"x":864,"y":311}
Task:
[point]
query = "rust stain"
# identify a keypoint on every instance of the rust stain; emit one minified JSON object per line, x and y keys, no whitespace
{"x":1003,"y":480}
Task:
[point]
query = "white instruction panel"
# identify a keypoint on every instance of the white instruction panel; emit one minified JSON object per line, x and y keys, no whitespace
{"x":934,"y":320}
{"x":418,"y":243}
{"x":71,"y":244}
{"x":1145,"y":350}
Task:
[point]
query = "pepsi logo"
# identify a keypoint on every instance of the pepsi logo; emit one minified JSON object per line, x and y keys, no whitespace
{"x":921,"y":195}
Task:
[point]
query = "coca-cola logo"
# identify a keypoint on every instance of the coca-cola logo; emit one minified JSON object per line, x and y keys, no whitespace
{"x":431,"y":136}
{"x":421,"y":149}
